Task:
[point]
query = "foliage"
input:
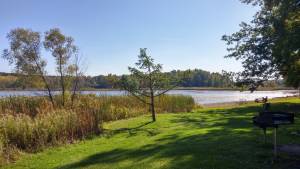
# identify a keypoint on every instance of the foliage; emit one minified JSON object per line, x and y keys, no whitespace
{"x":201,"y":78}
{"x":269,"y":45}
{"x":24,"y":53}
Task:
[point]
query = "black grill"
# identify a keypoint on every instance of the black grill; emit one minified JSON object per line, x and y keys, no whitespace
{"x":271,"y":119}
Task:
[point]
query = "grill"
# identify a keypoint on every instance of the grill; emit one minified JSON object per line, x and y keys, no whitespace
{"x":269,"y":119}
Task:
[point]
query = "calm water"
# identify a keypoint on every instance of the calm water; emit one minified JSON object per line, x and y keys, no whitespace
{"x":200,"y":96}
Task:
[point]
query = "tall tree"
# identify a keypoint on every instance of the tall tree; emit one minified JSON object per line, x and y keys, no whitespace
{"x":269,"y":46}
{"x":24,"y":53}
{"x":146,"y":81}
{"x":62,"y":48}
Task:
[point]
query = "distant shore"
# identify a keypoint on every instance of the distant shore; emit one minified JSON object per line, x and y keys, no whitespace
{"x":178,"y":88}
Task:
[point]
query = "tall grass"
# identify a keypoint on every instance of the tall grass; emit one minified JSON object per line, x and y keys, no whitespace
{"x":32,"y":123}
{"x":30,"y":106}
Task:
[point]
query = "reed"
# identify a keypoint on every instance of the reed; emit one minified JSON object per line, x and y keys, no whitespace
{"x":175,"y":103}
{"x":30,"y":106}
{"x":32,"y":123}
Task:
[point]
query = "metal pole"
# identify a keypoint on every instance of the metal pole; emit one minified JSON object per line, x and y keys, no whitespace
{"x":275,"y":142}
{"x":265,"y":135}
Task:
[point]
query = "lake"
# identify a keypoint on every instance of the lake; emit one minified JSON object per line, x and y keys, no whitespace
{"x":200,"y":96}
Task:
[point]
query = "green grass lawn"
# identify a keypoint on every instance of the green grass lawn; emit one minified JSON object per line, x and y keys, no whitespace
{"x":209,"y":138}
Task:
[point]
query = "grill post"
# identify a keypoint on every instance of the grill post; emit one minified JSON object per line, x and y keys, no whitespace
{"x":275,"y":142}
{"x":265,"y":135}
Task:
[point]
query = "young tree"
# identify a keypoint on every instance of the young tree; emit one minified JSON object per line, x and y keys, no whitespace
{"x":62,"y":49}
{"x":76,"y":74}
{"x":24,"y":53}
{"x":269,"y":45}
{"x":146,"y":81}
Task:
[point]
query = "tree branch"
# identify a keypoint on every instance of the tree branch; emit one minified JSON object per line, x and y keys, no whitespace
{"x":165,"y":91}
{"x":139,"y":98}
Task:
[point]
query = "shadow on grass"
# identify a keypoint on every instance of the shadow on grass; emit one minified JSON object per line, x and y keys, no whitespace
{"x":190,"y":151}
{"x":132,"y":131}
{"x":230,"y":141}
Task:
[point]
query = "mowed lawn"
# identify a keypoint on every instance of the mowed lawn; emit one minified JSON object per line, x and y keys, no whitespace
{"x":209,"y":138}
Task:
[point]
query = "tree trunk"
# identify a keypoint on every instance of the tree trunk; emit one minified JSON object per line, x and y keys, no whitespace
{"x":152,"y":107}
{"x":45,"y":81}
{"x":48,"y":89}
{"x":62,"y":81}
{"x":74,"y":91}
{"x":75,"y":87}
{"x":151,"y":95}
{"x":152,"y":101}
{"x":76,"y":80}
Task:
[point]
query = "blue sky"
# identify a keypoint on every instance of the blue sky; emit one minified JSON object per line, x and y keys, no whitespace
{"x":180,"y":34}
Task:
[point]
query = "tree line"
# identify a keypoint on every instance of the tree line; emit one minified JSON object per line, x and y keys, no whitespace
{"x":185,"y":78}
{"x":194,"y":78}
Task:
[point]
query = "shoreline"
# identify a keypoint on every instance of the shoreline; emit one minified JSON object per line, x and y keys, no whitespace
{"x":231,"y":89}
{"x":239,"y":103}
{"x":229,"y":104}
{"x":191,"y":88}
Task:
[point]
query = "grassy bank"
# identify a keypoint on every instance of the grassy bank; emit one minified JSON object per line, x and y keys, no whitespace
{"x":29,"y":124}
{"x":206,"y":138}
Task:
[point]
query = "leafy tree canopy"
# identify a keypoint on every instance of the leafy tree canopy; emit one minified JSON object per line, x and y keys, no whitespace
{"x":24,"y":51}
{"x":269,"y":45}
